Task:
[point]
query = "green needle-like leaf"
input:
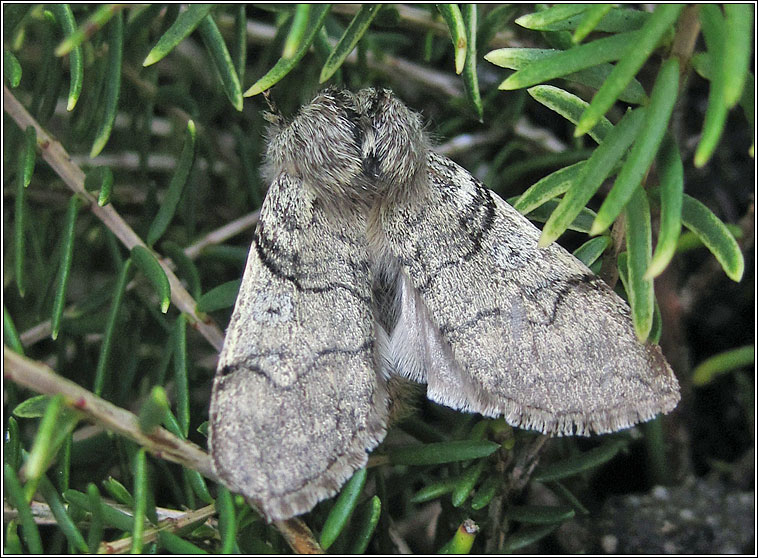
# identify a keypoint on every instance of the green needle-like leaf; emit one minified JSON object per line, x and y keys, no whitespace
{"x":486,"y":492}
{"x":177,"y":545}
{"x":186,"y":268}
{"x":594,"y":77}
{"x":11,"y":68}
{"x":637,"y":52}
{"x":29,"y":157}
{"x":738,"y":44}
{"x":65,"y":18}
{"x":715,"y":235}
{"x":470,"y":78}
{"x":226,"y":521}
{"x":546,"y":19}
{"x":10,"y":334}
{"x":29,"y":530}
{"x":466,"y":483}
{"x":285,"y":65}
{"x":118,"y":492}
{"x":552,"y":186}
{"x":105,"y":348}
{"x":181,"y":373}
{"x":442,"y":452}
{"x":451,"y":13}
{"x":708,"y":370}
{"x":100,"y":179}
{"x":539,"y":515}
{"x":140,"y":501}
{"x":579,"y":463}
{"x":590,"y":251}
{"x":671,"y":174}
{"x":561,"y":18}
{"x":34,"y":407}
{"x":572,"y":60}
{"x":42,"y":451}
{"x":19,"y":222}
{"x":222,"y":60}
{"x":581,"y":223}
{"x":146,"y":261}
{"x":354,"y":32}
{"x":59,"y":511}
{"x":434,"y":490}
{"x":645,"y":147}
{"x":526,"y":536}
{"x":591,"y":17}
{"x":365,"y":530}
{"x":570,"y":107}
{"x":222,"y":296}
{"x":239,"y":46}
{"x":112,"y":83}
{"x":714,"y":31}
{"x":152,"y":413}
{"x":175,"y":188}
{"x":110,"y":515}
{"x":639,"y":248}
{"x":95,"y":534}
{"x":595,"y":170}
{"x":94,"y":23}
{"x":185,"y":23}
{"x":67,"y":256}
{"x":343,"y":509}
{"x":297,"y":30}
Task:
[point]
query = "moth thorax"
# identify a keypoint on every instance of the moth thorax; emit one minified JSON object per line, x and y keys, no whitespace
{"x":351,"y":148}
{"x":394,"y":147}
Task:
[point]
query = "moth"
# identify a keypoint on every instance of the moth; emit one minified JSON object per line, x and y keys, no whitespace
{"x":375,"y":258}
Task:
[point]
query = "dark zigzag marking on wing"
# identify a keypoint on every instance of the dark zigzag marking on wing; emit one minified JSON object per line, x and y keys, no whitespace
{"x":264,"y":246}
{"x":486,"y":220}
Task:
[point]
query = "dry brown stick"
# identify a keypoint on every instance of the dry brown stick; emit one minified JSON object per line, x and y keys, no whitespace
{"x":160,"y":442}
{"x":299,"y":536}
{"x":223,"y":233}
{"x":122,"y":546}
{"x":38,"y":332}
{"x":59,"y":160}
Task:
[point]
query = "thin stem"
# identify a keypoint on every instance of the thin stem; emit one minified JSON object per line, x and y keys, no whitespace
{"x":42,"y":330}
{"x":172,"y":525}
{"x":59,"y":160}
{"x":42,"y":379}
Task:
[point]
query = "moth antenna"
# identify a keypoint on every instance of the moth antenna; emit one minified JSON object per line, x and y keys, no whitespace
{"x":273,"y":115}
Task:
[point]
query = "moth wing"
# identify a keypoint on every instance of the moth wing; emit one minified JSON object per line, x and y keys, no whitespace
{"x":493,"y":324}
{"x":296,"y":401}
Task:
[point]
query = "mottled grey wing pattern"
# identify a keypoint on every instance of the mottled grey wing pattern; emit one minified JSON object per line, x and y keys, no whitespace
{"x":496,"y":325}
{"x":296,"y":400}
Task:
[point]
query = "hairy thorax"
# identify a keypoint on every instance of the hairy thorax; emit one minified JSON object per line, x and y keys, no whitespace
{"x":352,"y":149}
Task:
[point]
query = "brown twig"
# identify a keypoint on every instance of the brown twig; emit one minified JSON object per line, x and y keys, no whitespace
{"x":38,"y":332}
{"x":221,"y":234}
{"x":298,"y":536}
{"x":160,"y":442}
{"x":122,"y":546}
{"x":59,"y":160}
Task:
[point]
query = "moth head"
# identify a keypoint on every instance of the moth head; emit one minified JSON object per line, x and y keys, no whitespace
{"x":350,"y":147}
